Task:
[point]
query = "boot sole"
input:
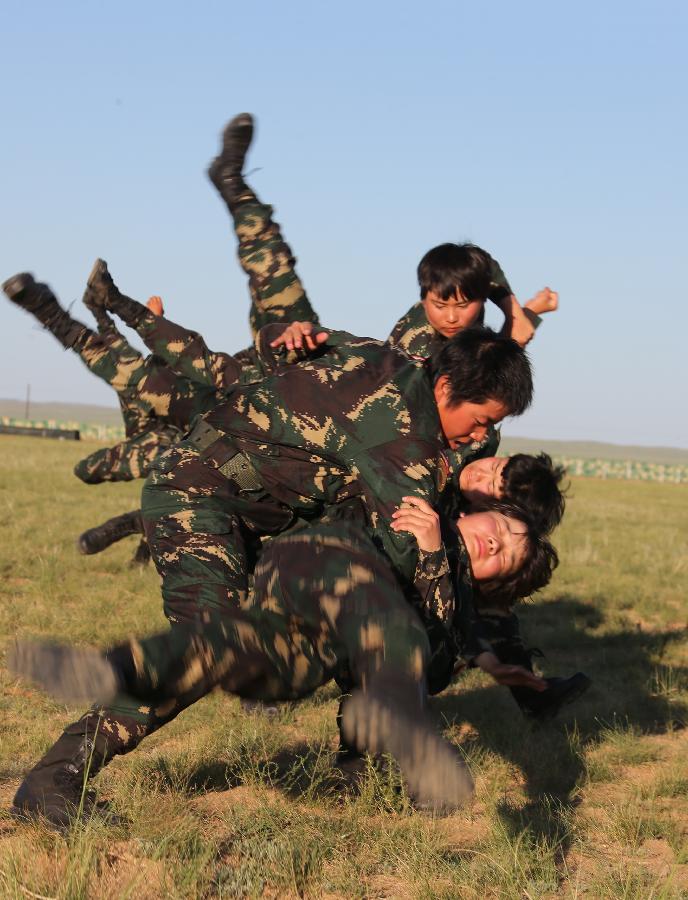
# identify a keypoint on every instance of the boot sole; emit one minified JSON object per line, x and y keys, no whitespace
{"x":242,"y":124}
{"x":96,"y":273}
{"x":437,"y":778}
{"x":91,"y":300}
{"x":17,"y":284}
{"x":84,"y":547}
{"x":70,"y":674}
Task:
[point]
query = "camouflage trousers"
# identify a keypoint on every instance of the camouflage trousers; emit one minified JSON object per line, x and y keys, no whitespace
{"x":203,"y":534}
{"x":324,"y":601}
{"x":277,"y":294}
{"x":112,"y":358}
{"x":129,"y":459}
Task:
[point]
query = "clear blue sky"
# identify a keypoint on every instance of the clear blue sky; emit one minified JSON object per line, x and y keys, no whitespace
{"x":554,"y":135}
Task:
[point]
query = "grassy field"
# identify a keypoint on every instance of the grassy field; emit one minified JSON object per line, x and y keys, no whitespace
{"x":221,"y":804}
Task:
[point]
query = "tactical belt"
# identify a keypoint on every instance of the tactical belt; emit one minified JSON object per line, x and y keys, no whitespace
{"x":238,"y":468}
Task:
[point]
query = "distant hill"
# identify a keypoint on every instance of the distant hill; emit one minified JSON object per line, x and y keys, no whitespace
{"x":670,"y":456}
{"x":109,"y":416}
{"x":62,"y":412}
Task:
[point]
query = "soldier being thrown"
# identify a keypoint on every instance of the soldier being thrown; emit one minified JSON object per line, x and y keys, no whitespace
{"x":325,"y":601}
{"x":455,"y":281}
{"x":187,"y":354}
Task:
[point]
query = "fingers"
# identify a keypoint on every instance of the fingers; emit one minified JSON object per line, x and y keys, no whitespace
{"x":420,"y":503}
{"x":299,"y":332}
{"x":155,"y":305}
{"x":517,"y":676}
{"x":404,"y":518}
{"x":299,"y":336}
{"x":291,"y":336}
{"x":424,"y":526}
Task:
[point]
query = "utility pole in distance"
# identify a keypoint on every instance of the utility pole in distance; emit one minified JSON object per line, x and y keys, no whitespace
{"x":28,"y":401}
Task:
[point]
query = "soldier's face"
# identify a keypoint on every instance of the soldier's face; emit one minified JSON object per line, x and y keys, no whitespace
{"x":466,"y":421}
{"x":451,"y":316}
{"x":496,"y":544}
{"x":483,"y":478}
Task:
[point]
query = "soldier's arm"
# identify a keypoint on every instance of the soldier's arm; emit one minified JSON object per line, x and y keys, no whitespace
{"x":274,"y":352}
{"x":282,"y":311}
{"x":187,"y":353}
{"x":388,"y":473}
{"x":413,"y":333}
{"x":517,"y":325}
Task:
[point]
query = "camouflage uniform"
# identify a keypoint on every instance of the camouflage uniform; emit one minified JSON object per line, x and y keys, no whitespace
{"x":157,"y":404}
{"x":277,"y":294}
{"x":275,"y":287}
{"x":324,"y":604}
{"x":359,"y":421}
{"x":414,"y":334}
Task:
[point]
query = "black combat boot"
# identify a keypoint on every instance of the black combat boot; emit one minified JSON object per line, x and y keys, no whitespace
{"x":70,"y":674}
{"x":225,"y":171}
{"x":544,"y":705}
{"x":57,"y":787}
{"x":105,"y":324}
{"x":40,"y":301}
{"x":142,"y":557}
{"x":389,"y":717}
{"x":103,"y":294}
{"x":97,"y":539}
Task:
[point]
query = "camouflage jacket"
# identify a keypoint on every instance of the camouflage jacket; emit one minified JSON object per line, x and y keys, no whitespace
{"x":415,"y":335}
{"x":186,"y":355}
{"x":440,"y":586}
{"x":359,"y":419}
{"x":434,"y":585}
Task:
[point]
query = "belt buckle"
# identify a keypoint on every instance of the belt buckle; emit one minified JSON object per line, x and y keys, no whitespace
{"x":242,"y":473}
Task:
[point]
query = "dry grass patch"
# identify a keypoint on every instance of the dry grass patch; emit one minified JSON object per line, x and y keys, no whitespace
{"x":220,"y":804}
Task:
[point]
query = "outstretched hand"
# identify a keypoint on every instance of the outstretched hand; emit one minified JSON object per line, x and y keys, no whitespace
{"x":522,"y":329}
{"x":512,"y":676}
{"x":300,"y":336}
{"x":155,"y":305}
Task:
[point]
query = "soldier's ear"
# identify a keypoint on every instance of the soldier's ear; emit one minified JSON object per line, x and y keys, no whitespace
{"x":442,"y":390}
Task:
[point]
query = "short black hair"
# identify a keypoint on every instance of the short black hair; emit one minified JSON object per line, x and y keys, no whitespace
{"x":482,"y":365}
{"x":533,"y":483}
{"x":536,"y":572}
{"x":449,"y":268}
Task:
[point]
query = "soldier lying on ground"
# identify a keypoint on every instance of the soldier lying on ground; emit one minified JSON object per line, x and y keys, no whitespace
{"x":325,"y":604}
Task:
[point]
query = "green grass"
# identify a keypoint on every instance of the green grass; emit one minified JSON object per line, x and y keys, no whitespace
{"x":220,"y":804}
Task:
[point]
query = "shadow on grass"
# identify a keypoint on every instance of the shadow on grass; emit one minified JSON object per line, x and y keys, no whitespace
{"x":631,"y":689}
{"x":306,"y":770}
